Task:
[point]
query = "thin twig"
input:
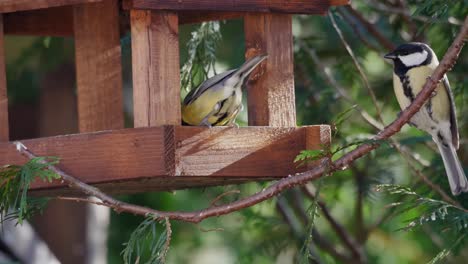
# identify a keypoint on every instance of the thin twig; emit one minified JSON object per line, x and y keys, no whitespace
{"x":435,"y":187}
{"x":427,"y":181}
{"x":298,"y":205}
{"x":330,"y":79}
{"x":359,"y":208}
{"x":329,"y":247}
{"x":404,"y":151}
{"x":288,"y":216}
{"x":388,"y":213}
{"x":358,"y":66}
{"x":319,"y":240}
{"x":342,"y":233}
{"x":167,"y":244}
{"x":80,"y":200}
{"x":206,"y":230}
{"x":213,"y":203}
{"x":288,"y":182}
{"x":328,"y":76}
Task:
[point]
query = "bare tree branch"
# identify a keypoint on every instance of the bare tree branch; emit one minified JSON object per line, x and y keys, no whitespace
{"x":357,"y":65}
{"x":403,"y":150}
{"x":219,"y":197}
{"x":167,"y":244}
{"x":342,"y":233}
{"x":317,"y":238}
{"x":325,"y":168}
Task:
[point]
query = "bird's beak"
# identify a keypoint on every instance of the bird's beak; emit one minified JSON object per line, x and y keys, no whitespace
{"x":390,"y":56}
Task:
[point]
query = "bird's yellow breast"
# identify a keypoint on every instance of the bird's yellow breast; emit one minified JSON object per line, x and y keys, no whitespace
{"x":417,"y":78}
{"x":200,"y":108}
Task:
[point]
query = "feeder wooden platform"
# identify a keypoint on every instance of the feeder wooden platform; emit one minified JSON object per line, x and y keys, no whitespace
{"x":158,"y":153}
{"x":173,"y":157}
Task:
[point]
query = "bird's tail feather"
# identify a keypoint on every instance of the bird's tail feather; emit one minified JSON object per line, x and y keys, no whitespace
{"x":456,"y":176}
{"x":250,"y":65}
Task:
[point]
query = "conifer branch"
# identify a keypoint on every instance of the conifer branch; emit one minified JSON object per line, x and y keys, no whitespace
{"x":325,"y":168}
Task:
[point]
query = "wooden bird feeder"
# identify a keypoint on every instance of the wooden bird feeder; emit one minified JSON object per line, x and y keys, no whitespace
{"x":159,"y":153}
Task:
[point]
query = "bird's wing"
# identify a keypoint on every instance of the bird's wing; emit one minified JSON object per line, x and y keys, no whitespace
{"x":195,"y":93}
{"x":453,"y":114}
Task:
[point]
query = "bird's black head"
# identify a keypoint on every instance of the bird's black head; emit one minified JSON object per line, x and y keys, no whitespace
{"x":409,"y":55}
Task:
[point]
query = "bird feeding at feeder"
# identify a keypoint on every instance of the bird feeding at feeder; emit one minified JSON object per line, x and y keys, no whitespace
{"x":218,"y":100}
{"x":413,"y":63}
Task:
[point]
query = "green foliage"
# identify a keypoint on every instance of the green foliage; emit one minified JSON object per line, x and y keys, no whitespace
{"x":15,"y":182}
{"x":437,"y":214}
{"x":443,"y":215}
{"x":306,"y":156}
{"x":258,"y":234}
{"x":25,"y":71}
{"x":343,"y":116}
{"x":201,"y":55}
{"x":257,"y":225}
{"x":146,"y":241}
{"x":305,"y":255}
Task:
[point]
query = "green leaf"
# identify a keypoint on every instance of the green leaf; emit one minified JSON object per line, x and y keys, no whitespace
{"x":201,"y":55}
{"x":14,"y":185}
{"x":145,"y":245}
{"x":343,"y":116}
{"x":309,"y":155}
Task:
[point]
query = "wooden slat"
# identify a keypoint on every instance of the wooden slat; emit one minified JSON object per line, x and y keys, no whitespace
{"x":56,"y":21}
{"x":246,"y":152}
{"x":4,"y":130}
{"x":100,"y":156}
{"x":99,"y":79}
{"x":116,"y":158}
{"x":191,"y":17}
{"x":98,"y":66}
{"x":277,"y":6}
{"x":57,"y":115}
{"x":155,"y":64}
{"x":339,"y":2}
{"x":8,"y":6}
{"x":271,"y":98}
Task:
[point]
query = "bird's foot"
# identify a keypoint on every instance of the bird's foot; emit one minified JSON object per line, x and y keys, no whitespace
{"x":205,"y":123}
{"x":234,"y":124}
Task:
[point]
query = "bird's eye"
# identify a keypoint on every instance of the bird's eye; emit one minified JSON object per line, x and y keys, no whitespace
{"x":404,"y":53}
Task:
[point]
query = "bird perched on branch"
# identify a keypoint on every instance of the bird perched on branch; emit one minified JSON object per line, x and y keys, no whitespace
{"x":218,"y":100}
{"x":413,"y":63}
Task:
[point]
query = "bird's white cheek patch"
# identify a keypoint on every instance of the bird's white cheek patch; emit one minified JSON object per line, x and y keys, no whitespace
{"x":414,"y":59}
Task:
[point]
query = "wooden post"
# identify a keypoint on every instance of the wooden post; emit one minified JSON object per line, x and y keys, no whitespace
{"x":155,"y":61}
{"x":99,"y":90}
{"x":3,"y":90}
{"x":271,"y":100}
{"x":57,"y":92}
{"x":98,"y":66}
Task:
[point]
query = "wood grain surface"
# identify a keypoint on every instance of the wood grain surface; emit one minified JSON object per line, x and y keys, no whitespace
{"x":276,"y":6}
{"x":55,"y":21}
{"x":98,"y":66}
{"x":271,"y":100}
{"x":140,"y":154}
{"x":4,"y":130}
{"x":58,"y":21}
{"x":8,"y":6}
{"x":156,"y":72}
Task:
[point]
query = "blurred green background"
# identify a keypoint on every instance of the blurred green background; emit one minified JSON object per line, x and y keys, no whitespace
{"x":263,"y":234}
